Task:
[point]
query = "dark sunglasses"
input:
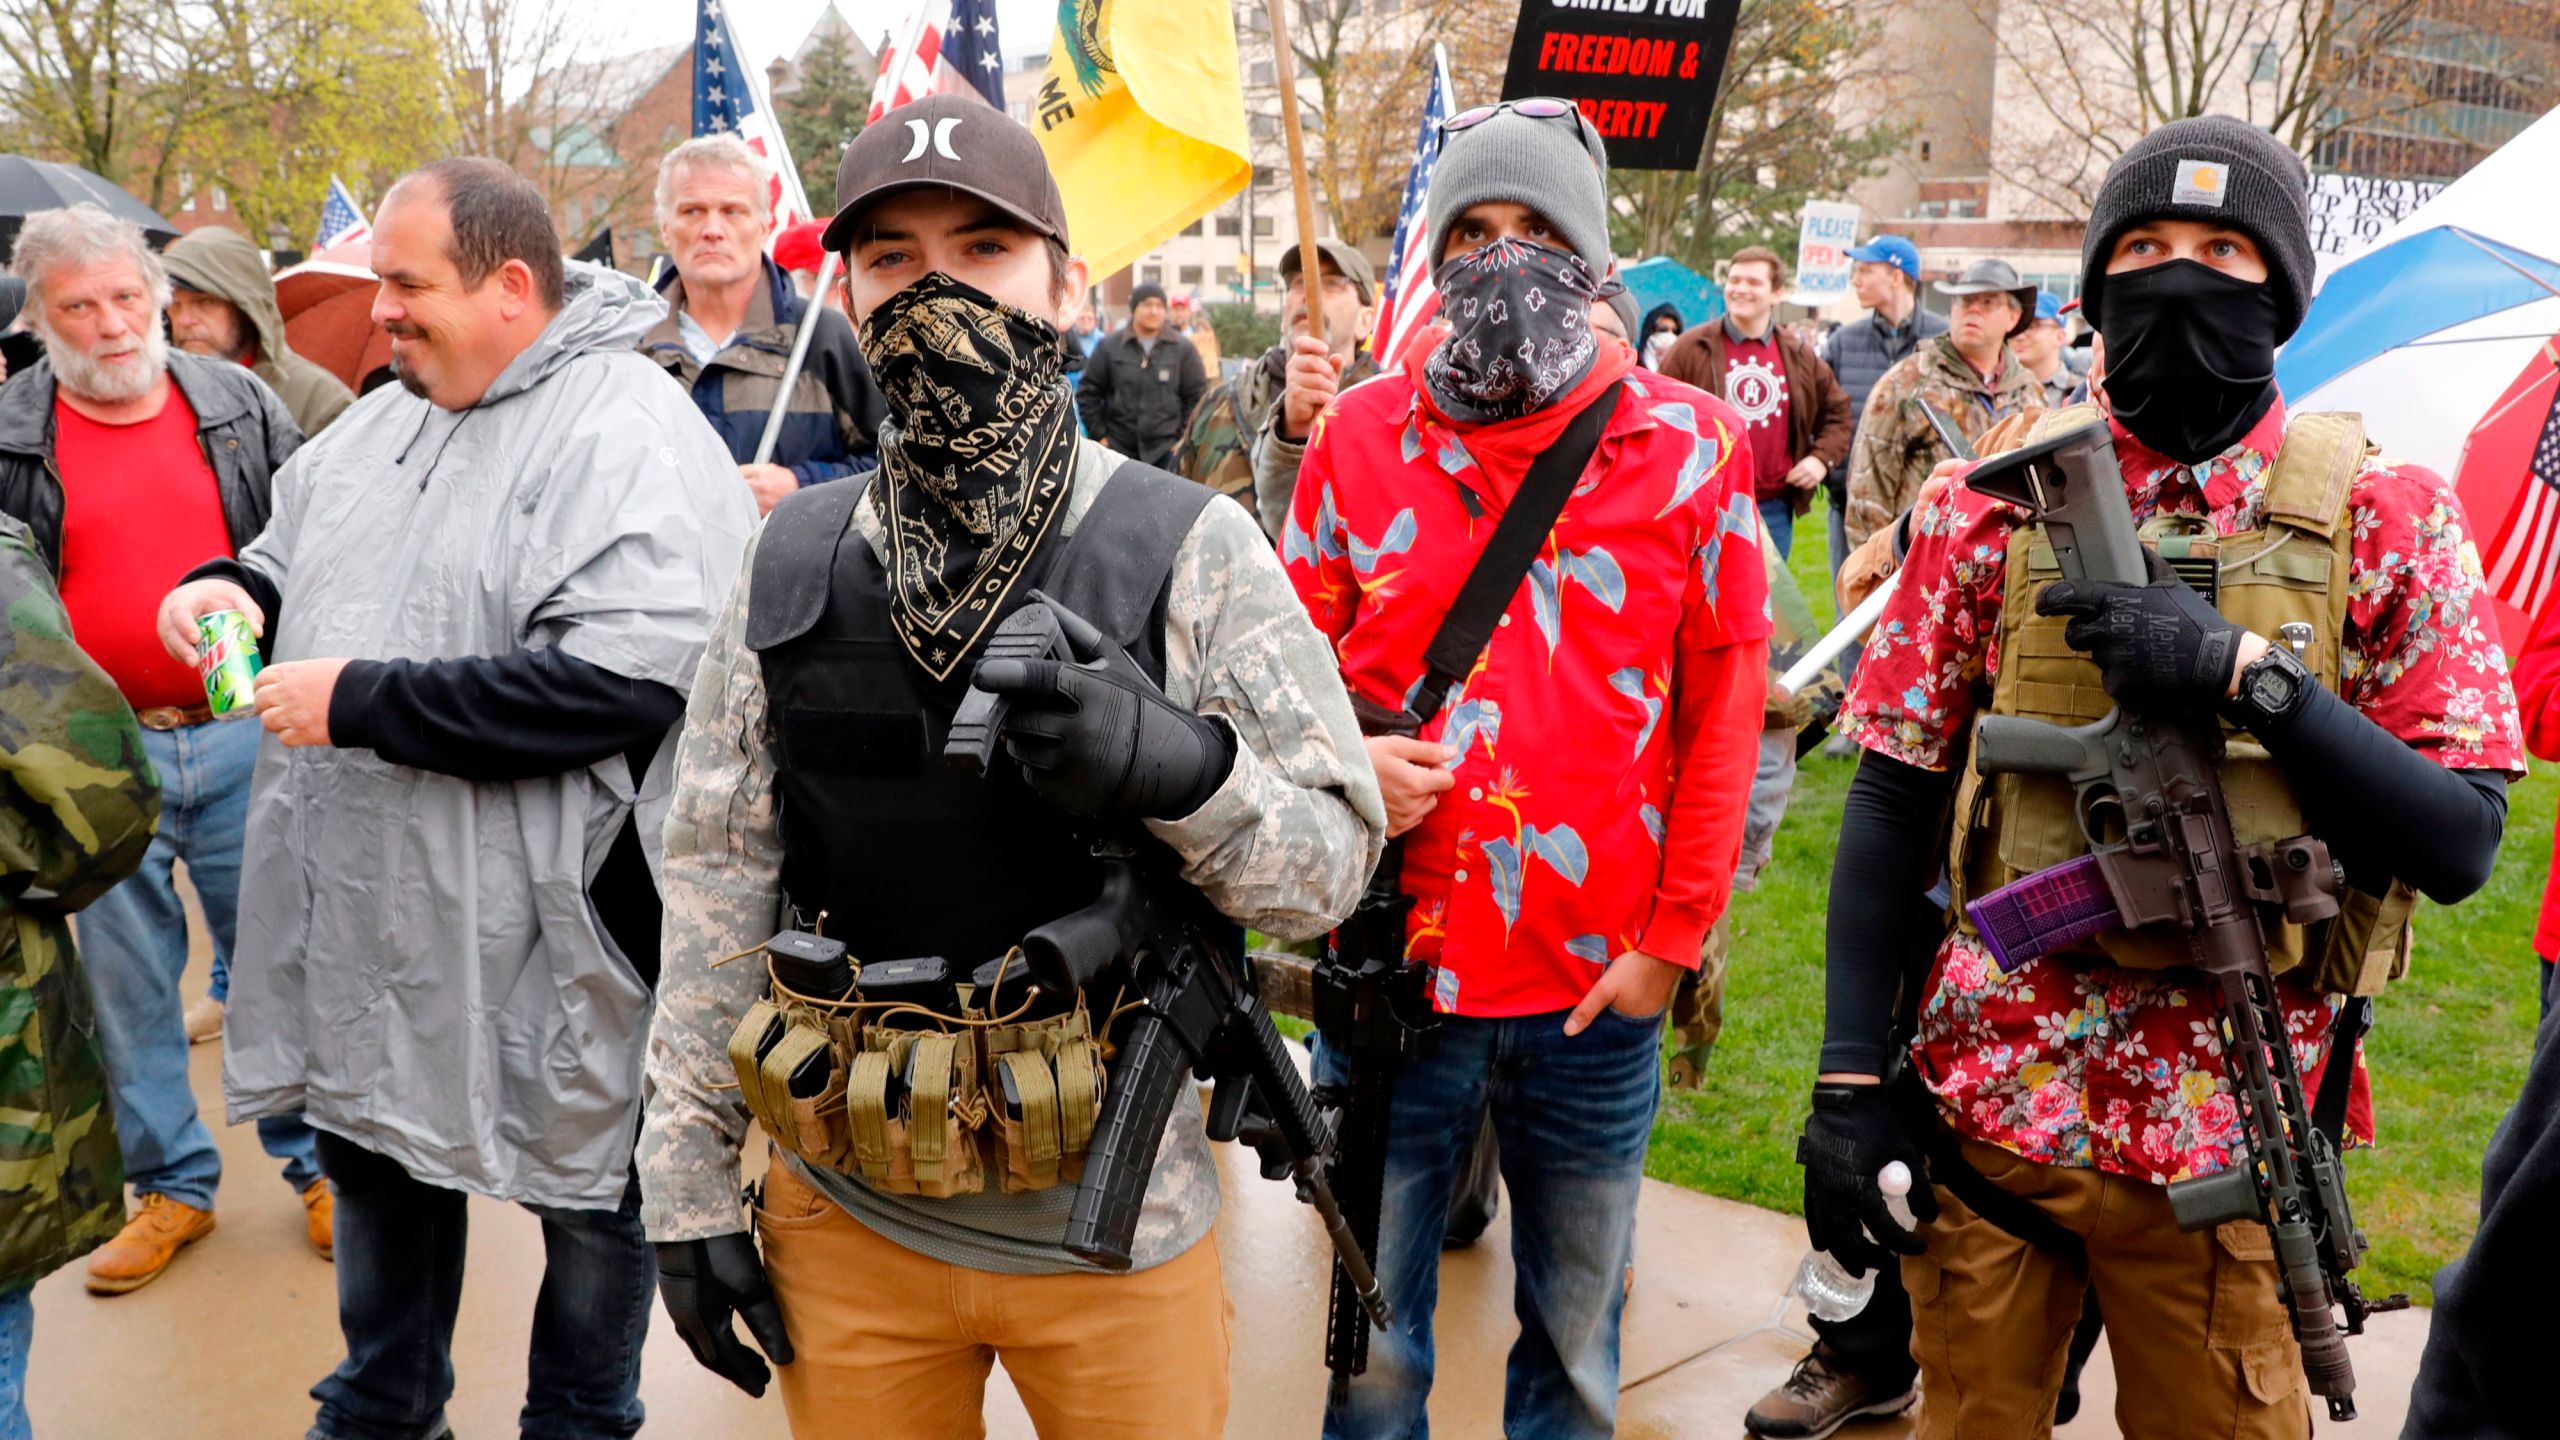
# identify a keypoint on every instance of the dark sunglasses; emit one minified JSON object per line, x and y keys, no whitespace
{"x":1536,"y":107}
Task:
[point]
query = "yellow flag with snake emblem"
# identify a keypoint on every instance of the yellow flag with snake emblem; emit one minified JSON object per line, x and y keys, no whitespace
{"x":1142,"y":113}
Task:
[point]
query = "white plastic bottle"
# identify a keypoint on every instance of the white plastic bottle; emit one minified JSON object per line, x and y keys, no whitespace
{"x":1829,"y":1291}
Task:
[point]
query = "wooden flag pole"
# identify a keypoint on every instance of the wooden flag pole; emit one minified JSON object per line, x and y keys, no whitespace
{"x":1284,"y":70}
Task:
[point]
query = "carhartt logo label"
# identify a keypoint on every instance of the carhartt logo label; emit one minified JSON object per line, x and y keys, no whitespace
{"x":2200,"y":182}
{"x":938,"y":135}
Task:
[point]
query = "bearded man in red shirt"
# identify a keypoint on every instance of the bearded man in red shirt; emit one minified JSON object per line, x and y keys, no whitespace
{"x":1571,"y":809}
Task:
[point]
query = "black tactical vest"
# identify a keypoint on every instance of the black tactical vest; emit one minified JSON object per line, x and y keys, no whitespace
{"x":905,"y":856}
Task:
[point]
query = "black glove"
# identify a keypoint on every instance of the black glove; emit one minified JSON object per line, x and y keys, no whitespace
{"x":704,"y":1282}
{"x":1099,"y":741}
{"x":2158,"y":646}
{"x":1850,"y":1136}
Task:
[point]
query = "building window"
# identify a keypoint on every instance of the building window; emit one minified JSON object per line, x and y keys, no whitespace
{"x":2264,"y":65}
{"x":1227,"y":276}
{"x":1924,"y":151}
{"x":1151,"y":275}
{"x":1264,"y":227}
{"x":1190,"y":274}
{"x":1261,"y":74}
{"x":221,"y":198}
{"x":1191,"y":229}
{"x":1229,"y":226}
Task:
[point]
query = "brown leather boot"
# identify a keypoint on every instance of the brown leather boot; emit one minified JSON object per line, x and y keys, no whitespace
{"x":1819,"y":1398}
{"x":319,"y":1210}
{"x":146,"y":1245}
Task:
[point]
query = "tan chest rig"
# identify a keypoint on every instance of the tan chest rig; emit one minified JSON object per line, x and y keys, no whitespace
{"x":2287,"y":580}
{"x":917,"y":1102}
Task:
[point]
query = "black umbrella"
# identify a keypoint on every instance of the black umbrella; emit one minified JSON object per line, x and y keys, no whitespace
{"x":28,"y":186}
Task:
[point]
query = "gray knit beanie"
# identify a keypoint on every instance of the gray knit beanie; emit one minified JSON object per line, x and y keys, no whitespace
{"x":1624,"y":303}
{"x":2211,"y":168}
{"x":1538,"y":163}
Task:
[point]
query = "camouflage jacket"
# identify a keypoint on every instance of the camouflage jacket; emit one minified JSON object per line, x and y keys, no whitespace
{"x":1283,"y":847}
{"x":1276,"y":460}
{"x":78,"y":804}
{"x":1896,"y":449}
{"x":1230,"y":445}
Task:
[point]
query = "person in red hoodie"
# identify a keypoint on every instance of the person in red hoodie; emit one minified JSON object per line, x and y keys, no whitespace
{"x":1572,"y":811}
{"x":2537,"y":679}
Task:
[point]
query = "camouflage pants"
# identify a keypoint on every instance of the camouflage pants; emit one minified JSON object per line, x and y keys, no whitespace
{"x":1697,"y":1009}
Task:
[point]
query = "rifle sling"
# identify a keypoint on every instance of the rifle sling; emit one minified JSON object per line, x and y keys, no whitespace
{"x":2337,"y":1077}
{"x":1947,"y":1166}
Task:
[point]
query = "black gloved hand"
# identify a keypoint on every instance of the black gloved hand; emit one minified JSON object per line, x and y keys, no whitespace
{"x":704,"y":1282}
{"x":1852,"y":1134}
{"x":1099,"y":741}
{"x":2158,"y":646}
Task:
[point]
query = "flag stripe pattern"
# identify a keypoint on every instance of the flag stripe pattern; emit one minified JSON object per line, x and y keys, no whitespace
{"x":2524,"y":561}
{"x":725,"y":101}
{"x":341,"y":223}
{"x":1410,"y":301}
{"x":950,"y":49}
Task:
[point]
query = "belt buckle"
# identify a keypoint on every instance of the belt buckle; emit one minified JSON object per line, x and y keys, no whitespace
{"x":162,"y":717}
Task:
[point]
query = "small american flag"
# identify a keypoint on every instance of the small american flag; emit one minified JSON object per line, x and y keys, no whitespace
{"x":1409,"y":300}
{"x":2524,"y":560}
{"x":949,"y":49}
{"x":726,"y":99}
{"x":341,"y":223}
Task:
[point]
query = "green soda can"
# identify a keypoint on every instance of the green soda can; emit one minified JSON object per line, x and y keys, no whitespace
{"x":227,"y":658}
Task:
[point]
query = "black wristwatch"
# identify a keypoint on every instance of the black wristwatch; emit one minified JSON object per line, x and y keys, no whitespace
{"x":2273,"y":689}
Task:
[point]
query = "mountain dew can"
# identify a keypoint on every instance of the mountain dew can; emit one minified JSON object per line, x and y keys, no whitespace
{"x":227,"y":658}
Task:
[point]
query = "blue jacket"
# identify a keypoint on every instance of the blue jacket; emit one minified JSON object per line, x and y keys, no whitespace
{"x":1860,"y":352}
{"x":835,"y":409}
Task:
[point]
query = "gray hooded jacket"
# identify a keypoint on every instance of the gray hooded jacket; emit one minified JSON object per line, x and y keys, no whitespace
{"x":222,"y":263}
{"x":422,"y":971}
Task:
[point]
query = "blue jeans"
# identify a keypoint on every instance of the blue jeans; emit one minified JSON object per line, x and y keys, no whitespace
{"x":400,"y":1245}
{"x":17,"y":1334}
{"x":133,"y":942}
{"x":1572,"y":1117}
{"x":1838,"y":534}
{"x":1780,"y":516}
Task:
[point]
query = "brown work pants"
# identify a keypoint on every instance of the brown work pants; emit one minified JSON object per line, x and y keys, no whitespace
{"x":2195,"y":1326}
{"x":893,"y":1343}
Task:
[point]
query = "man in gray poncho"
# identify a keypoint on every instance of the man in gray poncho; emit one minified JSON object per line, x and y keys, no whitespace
{"x":486,"y":593}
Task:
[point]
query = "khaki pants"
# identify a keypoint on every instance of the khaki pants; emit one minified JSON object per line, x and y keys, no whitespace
{"x":2198,"y":1333}
{"x":891,"y":1343}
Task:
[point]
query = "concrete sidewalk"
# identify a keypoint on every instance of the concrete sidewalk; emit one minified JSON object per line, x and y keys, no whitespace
{"x":229,"y":1340}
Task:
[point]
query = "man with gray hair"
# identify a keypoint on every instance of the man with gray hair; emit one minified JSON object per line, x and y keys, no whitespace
{"x":732,"y":315}
{"x":129,"y":464}
{"x":486,"y":591}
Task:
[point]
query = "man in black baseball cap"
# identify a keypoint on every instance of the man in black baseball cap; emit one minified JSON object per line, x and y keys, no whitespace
{"x":913,"y":1225}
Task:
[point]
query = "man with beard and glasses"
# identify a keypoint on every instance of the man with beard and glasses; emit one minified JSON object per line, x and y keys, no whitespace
{"x":130,"y":464}
{"x":812,"y":792}
{"x":1573,"y":813}
{"x":2075,"y":1087}
{"x":485,"y":592}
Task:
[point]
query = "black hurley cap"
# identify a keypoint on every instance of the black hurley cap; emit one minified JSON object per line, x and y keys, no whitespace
{"x":959,"y":143}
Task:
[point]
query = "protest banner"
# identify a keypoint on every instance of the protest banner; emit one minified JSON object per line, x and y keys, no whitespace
{"x":1830,"y":230}
{"x":1644,"y":72}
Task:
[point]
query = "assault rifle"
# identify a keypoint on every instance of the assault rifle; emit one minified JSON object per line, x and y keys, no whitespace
{"x":2161,"y":854}
{"x":1197,"y":1013}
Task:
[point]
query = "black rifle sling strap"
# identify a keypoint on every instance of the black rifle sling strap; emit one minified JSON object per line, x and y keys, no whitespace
{"x":2337,"y":1076}
{"x":1498,"y":571}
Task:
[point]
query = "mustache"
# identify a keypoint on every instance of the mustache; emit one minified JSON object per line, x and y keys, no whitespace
{"x":404,"y":329}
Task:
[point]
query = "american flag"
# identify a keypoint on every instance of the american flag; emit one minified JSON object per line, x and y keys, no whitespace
{"x":728,"y":99}
{"x":2524,"y":560}
{"x":949,"y":48}
{"x":1409,"y":301}
{"x":341,"y":223}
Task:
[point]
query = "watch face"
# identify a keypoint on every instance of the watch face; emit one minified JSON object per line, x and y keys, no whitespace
{"x":2273,"y":687}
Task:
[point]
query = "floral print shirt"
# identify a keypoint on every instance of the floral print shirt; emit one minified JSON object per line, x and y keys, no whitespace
{"x":2093,"y":1065}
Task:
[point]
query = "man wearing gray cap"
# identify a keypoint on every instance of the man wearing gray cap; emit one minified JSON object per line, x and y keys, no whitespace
{"x":1300,"y":376}
{"x":912,"y":1244}
{"x":1967,"y":375}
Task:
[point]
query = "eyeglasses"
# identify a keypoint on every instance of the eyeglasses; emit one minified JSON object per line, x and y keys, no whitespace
{"x":1535,"y":107}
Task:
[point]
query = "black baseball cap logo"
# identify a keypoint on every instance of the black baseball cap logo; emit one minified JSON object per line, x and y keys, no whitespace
{"x":937,"y":133}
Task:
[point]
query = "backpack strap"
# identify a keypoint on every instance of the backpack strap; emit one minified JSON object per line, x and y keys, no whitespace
{"x":2314,"y":469}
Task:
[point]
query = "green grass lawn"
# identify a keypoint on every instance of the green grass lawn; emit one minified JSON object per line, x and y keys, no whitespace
{"x":2448,"y":1051}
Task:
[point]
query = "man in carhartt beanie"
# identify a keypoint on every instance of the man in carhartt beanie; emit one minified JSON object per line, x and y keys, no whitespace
{"x":2218,"y":170}
{"x":1555,"y":166}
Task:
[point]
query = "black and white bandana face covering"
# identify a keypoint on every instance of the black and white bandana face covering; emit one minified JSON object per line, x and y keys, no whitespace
{"x":975,"y":458}
{"x":1519,"y":317}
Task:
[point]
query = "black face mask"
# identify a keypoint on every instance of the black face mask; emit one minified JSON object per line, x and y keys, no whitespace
{"x":2191,"y":357}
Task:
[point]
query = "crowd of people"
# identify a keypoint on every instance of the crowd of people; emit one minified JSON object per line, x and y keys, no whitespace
{"x":597,"y":807}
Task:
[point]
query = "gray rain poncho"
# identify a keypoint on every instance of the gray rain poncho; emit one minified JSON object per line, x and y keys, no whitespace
{"x":419,"y":969}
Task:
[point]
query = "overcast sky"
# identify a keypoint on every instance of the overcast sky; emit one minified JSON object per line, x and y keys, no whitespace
{"x":767,"y":28}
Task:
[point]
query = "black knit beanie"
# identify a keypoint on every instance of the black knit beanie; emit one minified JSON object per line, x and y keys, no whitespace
{"x":2211,"y":168}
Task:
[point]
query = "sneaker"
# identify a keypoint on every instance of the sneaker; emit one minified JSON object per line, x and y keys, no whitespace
{"x":146,"y":1245}
{"x":1820,"y":1398}
{"x":319,"y":1210}
{"x":204,"y":1021}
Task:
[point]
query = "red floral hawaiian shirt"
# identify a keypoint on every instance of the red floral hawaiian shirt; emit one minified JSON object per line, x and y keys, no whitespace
{"x":1565,"y":841}
{"x":2121,"y":1069}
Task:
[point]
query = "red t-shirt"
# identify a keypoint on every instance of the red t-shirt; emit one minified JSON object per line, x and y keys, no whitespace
{"x":1755,"y":385}
{"x":140,"y":508}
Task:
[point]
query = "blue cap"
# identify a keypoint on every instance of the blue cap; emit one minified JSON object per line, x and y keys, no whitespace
{"x":1892,"y":250}
{"x":2048,"y":306}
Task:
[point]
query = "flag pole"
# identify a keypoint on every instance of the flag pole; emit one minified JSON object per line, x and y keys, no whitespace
{"x":1284,"y":70}
{"x":799,"y":358}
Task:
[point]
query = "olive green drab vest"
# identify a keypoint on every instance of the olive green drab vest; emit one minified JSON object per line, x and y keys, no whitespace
{"x":2294,"y":570}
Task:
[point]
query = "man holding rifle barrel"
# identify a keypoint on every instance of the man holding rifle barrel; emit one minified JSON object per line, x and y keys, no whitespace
{"x":941,"y":1121}
{"x":2217,"y":757}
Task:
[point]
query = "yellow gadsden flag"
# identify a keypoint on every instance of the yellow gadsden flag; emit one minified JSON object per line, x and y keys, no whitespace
{"x":1142,"y":113}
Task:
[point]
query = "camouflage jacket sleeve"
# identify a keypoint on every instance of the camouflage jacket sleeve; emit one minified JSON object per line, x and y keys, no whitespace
{"x":722,"y":886}
{"x":1880,"y":485}
{"x":1275,"y":473}
{"x":78,"y":798}
{"x":1286,"y":844}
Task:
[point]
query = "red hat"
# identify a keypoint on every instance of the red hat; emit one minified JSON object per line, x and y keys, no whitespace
{"x":797,"y":248}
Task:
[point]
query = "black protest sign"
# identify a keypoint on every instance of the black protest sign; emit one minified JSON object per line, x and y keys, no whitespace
{"x":1643,"y":71}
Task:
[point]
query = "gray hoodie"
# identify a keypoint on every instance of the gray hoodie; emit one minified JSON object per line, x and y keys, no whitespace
{"x":222,"y":263}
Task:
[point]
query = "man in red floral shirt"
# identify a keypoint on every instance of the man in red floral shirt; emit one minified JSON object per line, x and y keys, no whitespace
{"x":2074,"y":1084}
{"x":1562,"y":878}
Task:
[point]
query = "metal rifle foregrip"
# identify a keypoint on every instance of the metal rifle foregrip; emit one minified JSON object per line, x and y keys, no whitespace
{"x":1153,"y":1073}
{"x":1030,"y":633}
{"x":1284,"y":1094}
